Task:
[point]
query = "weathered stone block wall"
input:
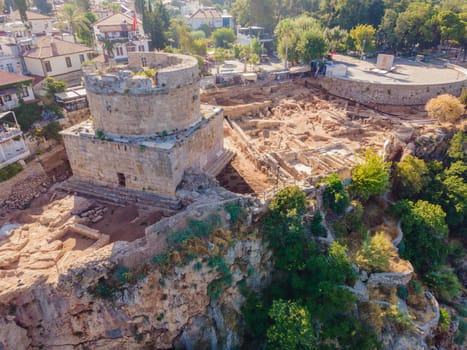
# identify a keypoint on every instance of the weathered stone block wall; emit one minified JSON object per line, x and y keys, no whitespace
{"x":393,"y":94}
{"x":202,"y":147}
{"x":172,"y":70}
{"x":145,"y":114}
{"x":144,"y":168}
{"x":148,"y":168}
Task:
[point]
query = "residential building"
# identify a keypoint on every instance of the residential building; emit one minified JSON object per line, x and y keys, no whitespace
{"x":14,"y":87}
{"x":10,"y":55}
{"x":39,"y":24}
{"x":54,"y":57}
{"x":12,"y":145}
{"x":119,"y":34}
{"x":211,"y":17}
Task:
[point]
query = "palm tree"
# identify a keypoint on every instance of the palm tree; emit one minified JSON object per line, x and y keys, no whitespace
{"x":74,"y":18}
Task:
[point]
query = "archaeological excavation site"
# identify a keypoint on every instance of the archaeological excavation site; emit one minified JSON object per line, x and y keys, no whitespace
{"x":143,"y":229}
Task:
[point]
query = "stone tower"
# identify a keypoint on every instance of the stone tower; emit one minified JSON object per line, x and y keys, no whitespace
{"x":147,"y":125}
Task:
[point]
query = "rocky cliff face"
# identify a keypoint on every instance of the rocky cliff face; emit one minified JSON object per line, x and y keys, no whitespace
{"x":124,"y":296}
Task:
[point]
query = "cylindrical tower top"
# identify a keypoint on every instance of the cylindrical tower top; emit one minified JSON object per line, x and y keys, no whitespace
{"x":155,"y":93}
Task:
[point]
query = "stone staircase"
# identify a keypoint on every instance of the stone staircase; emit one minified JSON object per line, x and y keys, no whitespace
{"x":144,"y":201}
{"x":215,"y":167}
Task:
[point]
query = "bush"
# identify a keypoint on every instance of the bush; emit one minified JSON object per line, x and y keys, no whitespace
{"x":315,"y":225}
{"x":444,"y":283}
{"x":335,"y":197}
{"x":444,"y":320}
{"x":53,"y":85}
{"x":27,"y":114}
{"x":375,"y":253}
{"x":371,"y":177}
{"x":9,"y":171}
{"x":463,"y":97}
{"x":410,"y":177}
{"x":445,"y":108}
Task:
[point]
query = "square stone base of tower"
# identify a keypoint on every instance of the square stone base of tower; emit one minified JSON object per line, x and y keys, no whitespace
{"x":152,"y":164}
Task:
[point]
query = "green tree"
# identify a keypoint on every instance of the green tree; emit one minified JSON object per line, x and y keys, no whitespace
{"x":156,"y":23}
{"x":444,"y":283}
{"x":74,"y":18}
{"x":22,"y":7}
{"x":284,"y":32}
{"x":410,"y":177}
{"x":458,"y":147}
{"x":336,"y":39}
{"x":284,"y":227}
{"x":375,"y":253}
{"x":425,"y":232}
{"x":223,"y":37}
{"x":451,"y":26}
{"x":220,"y":55}
{"x":370,"y":177}
{"x":53,"y":86}
{"x":292,"y":328}
{"x":414,"y":26}
{"x":311,"y":45}
{"x":335,"y":197}
{"x":387,"y":38}
{"x":364,"y":36}
{"x":86,"y":34}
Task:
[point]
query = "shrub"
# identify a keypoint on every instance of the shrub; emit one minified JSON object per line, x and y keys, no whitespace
{"x":370,"y":177}
{"x":444,"y":320}
{"x":410,"y":177}
{"x":335,"y":197}
{"x":396,"y":315}
{"x":53,"y":85}
{"x":444,"y":283}
{"x":235,"y":211}
{"x":445,"y":108}
{"x":9,"y":171}
{"x":375,"y":253}
{"x":315,"y":225}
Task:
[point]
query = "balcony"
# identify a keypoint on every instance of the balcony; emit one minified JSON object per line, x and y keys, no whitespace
{"x":9,"y":133}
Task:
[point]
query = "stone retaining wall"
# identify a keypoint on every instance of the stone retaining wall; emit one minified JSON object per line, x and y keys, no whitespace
{"x":392,"y":94}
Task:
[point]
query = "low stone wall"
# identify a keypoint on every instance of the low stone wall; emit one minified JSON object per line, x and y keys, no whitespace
{"x":392,"y":94}
{"x":390,"y":279}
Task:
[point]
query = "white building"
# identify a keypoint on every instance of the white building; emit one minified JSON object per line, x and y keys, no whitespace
{"x":12,"y":145}
{"x":119,"y":34}
{"x":14,"y":87}
{"x":39,"y":24}
{"x":209,"y":16}
{"x":10,"y":55}
{"x":54,"y":57}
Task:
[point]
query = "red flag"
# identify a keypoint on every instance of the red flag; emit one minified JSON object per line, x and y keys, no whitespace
{"x":135,"y":22}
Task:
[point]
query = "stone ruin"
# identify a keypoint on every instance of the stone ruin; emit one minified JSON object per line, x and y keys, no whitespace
{"x":147,"y":129}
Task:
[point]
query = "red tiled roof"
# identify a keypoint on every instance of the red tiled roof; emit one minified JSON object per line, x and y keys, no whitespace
{"x":48,"y":46}
{"x":115,"y":19}
{"x":206,"y":13}
{"x":7,"y":78}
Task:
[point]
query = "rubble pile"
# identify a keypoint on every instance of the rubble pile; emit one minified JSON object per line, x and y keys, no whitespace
{"x":94,"y":214}
{"x":24,"y":192}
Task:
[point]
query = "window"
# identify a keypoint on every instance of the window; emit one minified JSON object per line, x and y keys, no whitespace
{"x":141,"y":48}
{"x":9,"y":67}
{"x":68,"y":62}
{"x":144,"y":62}
{"x":25,"y":91}
{"x":48,"y":66}
{"x":119,"y":51}
{"x":7,"y":98}
{"x":81,"y":58}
